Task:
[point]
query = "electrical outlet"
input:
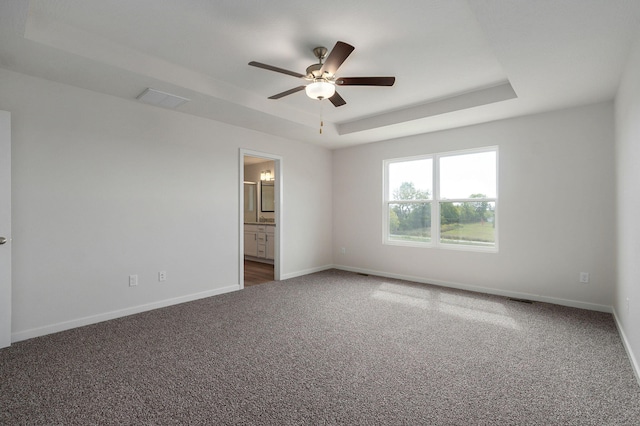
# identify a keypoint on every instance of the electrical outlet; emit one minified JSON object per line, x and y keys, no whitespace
{"x":133,"y":280}
{"x":627,"y":303}
{"x":584,"y":277}
{"x":162,"y":276}
{"x":343,"y":250}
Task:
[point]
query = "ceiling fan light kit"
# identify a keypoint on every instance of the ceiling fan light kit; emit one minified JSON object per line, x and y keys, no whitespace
{"x":322,"y":76}
{"x":320,"y":89}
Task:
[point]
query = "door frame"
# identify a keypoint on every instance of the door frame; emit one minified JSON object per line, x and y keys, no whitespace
{"x":5,"y":229}
{"x":277,"y":254}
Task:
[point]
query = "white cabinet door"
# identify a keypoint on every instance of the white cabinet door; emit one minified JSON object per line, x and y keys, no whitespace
{"x":251,"y":243}
{"x":271,"y":243}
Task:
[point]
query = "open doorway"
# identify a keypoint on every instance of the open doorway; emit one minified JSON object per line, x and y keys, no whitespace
{"x":260,"y":212}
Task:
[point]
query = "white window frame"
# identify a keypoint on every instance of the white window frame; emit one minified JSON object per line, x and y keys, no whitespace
{"x":435,"y":202}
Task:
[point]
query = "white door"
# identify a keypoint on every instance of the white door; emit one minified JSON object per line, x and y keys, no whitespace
{"x":5,"y":229}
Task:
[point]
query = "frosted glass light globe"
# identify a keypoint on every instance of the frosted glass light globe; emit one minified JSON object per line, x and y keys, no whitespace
{"x":320,"y":90}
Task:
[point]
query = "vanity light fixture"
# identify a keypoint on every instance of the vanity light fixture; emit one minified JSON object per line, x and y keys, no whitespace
{"x":265,"y":175}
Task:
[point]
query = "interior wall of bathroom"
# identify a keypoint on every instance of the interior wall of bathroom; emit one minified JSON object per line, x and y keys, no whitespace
{"x":252,"y":174}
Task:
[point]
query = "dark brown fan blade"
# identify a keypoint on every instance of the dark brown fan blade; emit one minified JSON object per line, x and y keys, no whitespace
{"x":288,"y":92}
{"x":337,"y":100}
{"x":338,"y":55}
{"x":276,"y":69}
{"x":365,"y":81}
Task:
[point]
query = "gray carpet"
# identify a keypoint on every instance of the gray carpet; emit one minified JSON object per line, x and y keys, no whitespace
{"x":329,"y":348}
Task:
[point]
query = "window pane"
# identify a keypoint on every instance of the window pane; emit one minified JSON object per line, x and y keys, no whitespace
{"x":466,"y":175}
{"x":410,"y":222}
{"x":471,"y":223}
{"x":411,"y":180}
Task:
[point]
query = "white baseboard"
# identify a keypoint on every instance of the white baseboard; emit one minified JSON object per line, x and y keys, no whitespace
{"x":627,"y":347}
{"x":479,"y":289}
{"x":306,"y":272}
{"x":93,"y":319}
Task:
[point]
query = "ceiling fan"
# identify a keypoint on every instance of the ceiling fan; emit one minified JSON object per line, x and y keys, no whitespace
{"x":322,"y":76}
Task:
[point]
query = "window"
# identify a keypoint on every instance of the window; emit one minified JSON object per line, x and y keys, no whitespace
{"x":446,"y":200}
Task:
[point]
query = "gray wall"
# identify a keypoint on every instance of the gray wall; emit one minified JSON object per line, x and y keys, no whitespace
{"x":556,"y":215}
{"x":627,"y":297}
{"x":104,"y":188}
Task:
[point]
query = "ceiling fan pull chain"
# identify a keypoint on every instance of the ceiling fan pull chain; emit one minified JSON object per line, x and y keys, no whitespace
{"x":321,"y":120}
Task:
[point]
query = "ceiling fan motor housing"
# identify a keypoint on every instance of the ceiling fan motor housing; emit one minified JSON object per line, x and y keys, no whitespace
{"x":313,"y":71}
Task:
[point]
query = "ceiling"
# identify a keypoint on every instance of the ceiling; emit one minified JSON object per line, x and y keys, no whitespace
{"x":456,"y":62}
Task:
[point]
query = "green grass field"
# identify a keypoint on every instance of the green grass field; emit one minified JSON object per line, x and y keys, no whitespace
{"x":469,"y":232}
{"x":459,"y":233}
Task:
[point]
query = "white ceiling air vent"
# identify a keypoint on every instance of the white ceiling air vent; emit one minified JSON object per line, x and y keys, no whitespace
{"x":162,"y":99}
